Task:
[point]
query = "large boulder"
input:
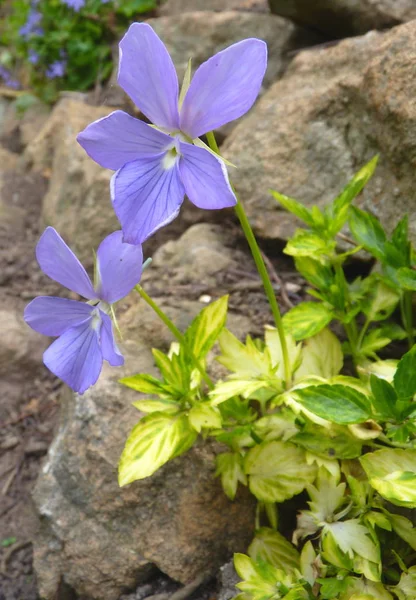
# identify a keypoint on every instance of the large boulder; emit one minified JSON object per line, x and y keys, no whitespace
{"x":101,"y":540}
{"x":77,"y":202}
{"x":341,"y":18}
{"x":331,"y":113}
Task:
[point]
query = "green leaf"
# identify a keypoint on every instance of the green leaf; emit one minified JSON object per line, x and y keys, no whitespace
{"x":230,"y":468}
{"x":145,"y":384}
{"x":245,"y":360}
{"x":203,"y":416}
{"x":271,"y":547}
{"x":406,"y":588}
{"x":175,"y":369}
{"x":157,"y":405}
{"x":392,"y":472}
{"x":407,"y":278}
{"x":383,"y":302}
{"x":368,"y":232}
{"x":307,"y":319}
{"x":228,"y":389}
{"x":403,"y":527}
{"x":259,"y":579}
{"x":384,"y":398}
{"x":204,"y":330}
{"x":373,"y":341}
{"x":321,"y":355}
{"x":6,"y":542}
{"x":277,"y":471}
{"x":272,"y":339}
{"x":328,"y":443}
{"x":337,"y":403}
{"x":314,"y":272}
{"x":338,"y":211}
{"x":307,"y":243}
{"x":354,"y":540}
{"x":331,"y":587}
{"x":156,"y":439}
{"x":295,"y":207}
{"x":405,"y":376}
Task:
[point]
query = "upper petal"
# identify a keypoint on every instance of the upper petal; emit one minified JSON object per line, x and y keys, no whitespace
{"x":119,"y":138}
{"x":205,"y":178}
{"x":59,"y":263}
{"x":109,"y":348}
{"x":224,"y":87}
{"x":146,"y":196}
{"x":75,"y":357}
{"x":148,"y":76}
{"x":119,"y":267}
{"x":52,"y":316}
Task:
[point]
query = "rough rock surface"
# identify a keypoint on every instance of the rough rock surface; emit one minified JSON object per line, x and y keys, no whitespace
{"x":101,"y":540}
{"x":77,"y":202}
{"x":331,"y":113}
{"x":341,"y":18}
{"x":177,"y":7}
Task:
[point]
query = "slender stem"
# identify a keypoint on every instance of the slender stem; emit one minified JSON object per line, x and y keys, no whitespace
{"x":363,"y":332}
{"x":178,"y":335}
{"x":407,"y":316}
{"x":261,"y":267}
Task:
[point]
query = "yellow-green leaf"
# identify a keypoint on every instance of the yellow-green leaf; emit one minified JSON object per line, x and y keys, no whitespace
{"x":149,"y":405}
{"x":230,"y":468}
{"x":277,"y":471}
{"x":321,"y":355}
{"x":307,"y":319}
{"x":153,"y":441}
{"x":392,"y":472}
{"x":204,"y":330}
{"x":270,"y":546}
{"x":204,"y":416}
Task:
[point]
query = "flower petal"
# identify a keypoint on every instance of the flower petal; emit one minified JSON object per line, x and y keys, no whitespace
{"x":53,"y":316}
{"x":146,"y":196}
{"x":148,"y":76}
{"x":224,"y":87}
{"x":59,"y":263}
{"x":119,"y":138}
{"x":205,"y":178}
{"x":119,"y":267}
{"x":109,"y":348}
{"x":75,"y":357}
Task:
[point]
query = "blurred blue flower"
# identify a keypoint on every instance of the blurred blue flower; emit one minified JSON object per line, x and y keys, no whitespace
{"x":33,"y":57}
{"x":74,"y":4}
{"x":31,"y":27}
{"x":9,"y":81}
{"x":56,"y":69}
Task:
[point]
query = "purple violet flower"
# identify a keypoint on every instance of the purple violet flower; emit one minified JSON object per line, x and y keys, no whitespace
{"x":84,"y":330}
{"x":56,"y":69}
{"x":31,"y":26}
{"x":156,"y":166}
{"x":33,"y":56}
{"x":9,"y":81}
{"x":74,"y":4}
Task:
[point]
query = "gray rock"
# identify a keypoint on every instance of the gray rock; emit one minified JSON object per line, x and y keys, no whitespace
{"x":228,"y":581}
{"x":178,"y":7}
{"x":102,"y":540}
{"x":341,"y":18}
{"x":77,"y":202}
{"x":331,"y":113}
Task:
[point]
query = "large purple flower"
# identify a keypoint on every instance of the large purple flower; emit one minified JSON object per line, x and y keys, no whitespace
{"x":156,"y":166}
{"x":84,"y":330}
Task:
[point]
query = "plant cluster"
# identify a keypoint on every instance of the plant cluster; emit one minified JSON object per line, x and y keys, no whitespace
{"x":297,"y":414}
{"x":50,"y":45}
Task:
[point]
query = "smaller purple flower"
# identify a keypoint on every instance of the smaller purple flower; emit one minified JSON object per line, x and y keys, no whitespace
{"x":56,"y":69}
{"x":33,"y":57}
{"x":9,"y":81}
{"x":74,"y":4}
{"x":84,"y":329}
{"x":31,"y":27}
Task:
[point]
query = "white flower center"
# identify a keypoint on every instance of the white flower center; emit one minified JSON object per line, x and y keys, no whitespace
{"x":95,"y":319}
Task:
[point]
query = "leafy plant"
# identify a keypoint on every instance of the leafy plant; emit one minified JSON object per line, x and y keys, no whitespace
{"x":347,"y":443}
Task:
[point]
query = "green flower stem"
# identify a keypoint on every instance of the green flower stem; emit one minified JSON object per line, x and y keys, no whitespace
{"x":406,"y":305}
{"x":261,"y":267}
{"x":178,"y":335}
